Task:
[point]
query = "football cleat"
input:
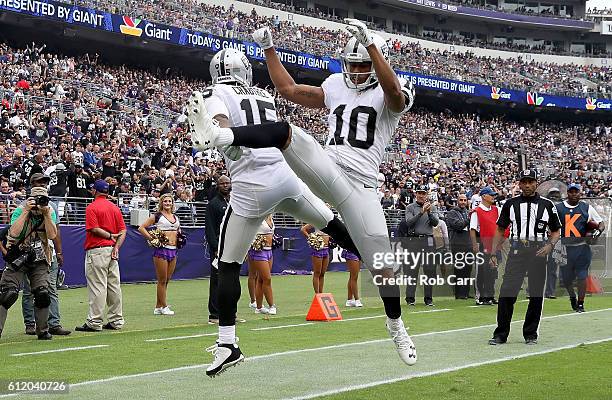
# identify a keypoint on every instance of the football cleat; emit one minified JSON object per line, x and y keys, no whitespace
{"x":226,"y":355}
{"x":404,"y":345}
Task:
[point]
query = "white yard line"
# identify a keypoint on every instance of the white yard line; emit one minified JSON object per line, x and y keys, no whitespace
{"x":443,"y":370}
{"x":324,"y":348}
{"x":60,"y":350}
{"x":181,"y":337}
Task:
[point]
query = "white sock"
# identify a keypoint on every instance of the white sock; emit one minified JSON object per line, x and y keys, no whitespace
{"x":226,"y":137}
{"x":227,"y":334}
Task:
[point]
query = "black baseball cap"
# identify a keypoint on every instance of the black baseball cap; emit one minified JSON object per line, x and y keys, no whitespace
{"x":422,"y":188}
{"x":528,"y":174}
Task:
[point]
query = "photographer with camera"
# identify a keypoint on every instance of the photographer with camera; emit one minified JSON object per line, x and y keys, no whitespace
{"x":57,"y":260}
{"x":32,"y":226}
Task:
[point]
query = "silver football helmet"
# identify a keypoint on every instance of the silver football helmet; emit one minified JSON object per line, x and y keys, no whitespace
{"x":231,"y":66}
{"x":355,"y":52}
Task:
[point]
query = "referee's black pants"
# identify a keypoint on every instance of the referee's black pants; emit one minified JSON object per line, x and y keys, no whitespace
{"x":520,"y":262}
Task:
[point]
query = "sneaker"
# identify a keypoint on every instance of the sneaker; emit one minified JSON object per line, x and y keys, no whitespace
{"x":204,"y":130}
{"x":574,"y":303}
{"x":493,"y":301}
{"x":157,"y":311}
{"x":226,"y":355}
{"x":404,"y":345}
{"x":531,"y":341}
{"x":488,"y":301}
{"x":358,"y":303}
{"x":496,"y":340}
{"x":411,"y":301}
{"x":272,"y":310}
{"x":167,"y":311}
{"x":30,"y":330}
{"x":350,"y":303}
{"x":580,"y":308}
{"x":429,"y":303}
{"x":262,"y":310}
{"x":480,"y":302}
{"x":253,"y":305}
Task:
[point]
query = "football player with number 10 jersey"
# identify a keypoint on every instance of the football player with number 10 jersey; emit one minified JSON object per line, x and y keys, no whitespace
{"x":365,"y":102}
{"x":262,"y":183}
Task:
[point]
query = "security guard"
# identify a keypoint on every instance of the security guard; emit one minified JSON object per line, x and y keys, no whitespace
{"x":575,"y":216}
{"x":534,"y":232}
{"x":214,"y":216}
{"x":32,"y":226}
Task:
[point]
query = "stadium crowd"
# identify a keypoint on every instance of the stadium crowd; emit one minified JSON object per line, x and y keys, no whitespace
{"x":78,"y":120}
{"x":406,"y":55}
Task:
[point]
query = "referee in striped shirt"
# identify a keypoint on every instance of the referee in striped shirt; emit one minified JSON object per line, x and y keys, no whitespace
{"x":535,"y":228}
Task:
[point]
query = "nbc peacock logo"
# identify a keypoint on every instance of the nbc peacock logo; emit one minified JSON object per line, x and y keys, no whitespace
{"x":534,"y":99}
{"x":591,"y":103}
{"x":130,"y":26}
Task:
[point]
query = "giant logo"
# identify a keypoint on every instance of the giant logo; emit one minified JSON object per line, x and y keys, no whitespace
{"x":534,"y":99}
{"x":130,"y":26}
{"x":591,"y":103}
{"x":497,"y":93}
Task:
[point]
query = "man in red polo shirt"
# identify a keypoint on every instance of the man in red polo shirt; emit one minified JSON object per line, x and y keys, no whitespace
{"x":483,"y":224}
{"x":105,"y":235}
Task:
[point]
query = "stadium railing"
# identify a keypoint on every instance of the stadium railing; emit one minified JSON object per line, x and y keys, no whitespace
{"x":71,"y":211}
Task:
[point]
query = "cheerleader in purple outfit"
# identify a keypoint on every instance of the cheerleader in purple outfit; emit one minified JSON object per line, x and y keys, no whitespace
{"x":260,"y":260}
{"x":164,"y":258}
{"x":319,"y":255}
{"x":353,"y":264}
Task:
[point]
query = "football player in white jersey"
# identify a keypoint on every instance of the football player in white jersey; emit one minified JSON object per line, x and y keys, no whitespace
{"x":365,"y":102}
{"x":262,"y":183}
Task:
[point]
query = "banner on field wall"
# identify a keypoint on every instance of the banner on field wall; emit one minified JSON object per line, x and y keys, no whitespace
{"x":129,"y":26}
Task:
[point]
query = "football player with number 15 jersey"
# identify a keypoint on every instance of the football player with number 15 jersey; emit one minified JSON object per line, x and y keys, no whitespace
{"x":365,"y":102}
{"x":262,"y":183}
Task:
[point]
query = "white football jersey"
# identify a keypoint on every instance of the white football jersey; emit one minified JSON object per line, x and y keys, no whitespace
{"x":247,"y":106}
{"x":360,"y":127}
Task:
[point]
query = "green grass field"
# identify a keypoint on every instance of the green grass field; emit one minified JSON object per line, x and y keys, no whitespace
{"x":289,"y":359}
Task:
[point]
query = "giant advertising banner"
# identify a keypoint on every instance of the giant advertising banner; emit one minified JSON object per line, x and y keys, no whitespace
{"x":126,"y":25}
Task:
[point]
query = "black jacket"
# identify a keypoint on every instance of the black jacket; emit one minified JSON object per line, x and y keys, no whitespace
{"x":214,"y":215}
{"x":457,"y":219}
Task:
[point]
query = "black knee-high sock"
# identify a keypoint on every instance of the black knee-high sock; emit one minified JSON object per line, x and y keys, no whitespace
{"x":337,"y":230}
{"x":391,"y":299}
{"x":228,"y":292}
{"x":273,"y":134}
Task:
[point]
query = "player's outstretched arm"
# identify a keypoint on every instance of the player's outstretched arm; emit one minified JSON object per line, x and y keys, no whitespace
{"x":305,"y":95}
{"x":394,"y":97}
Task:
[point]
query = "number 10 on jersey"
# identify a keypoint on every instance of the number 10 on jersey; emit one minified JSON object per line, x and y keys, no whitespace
{"x":355,"y":126}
